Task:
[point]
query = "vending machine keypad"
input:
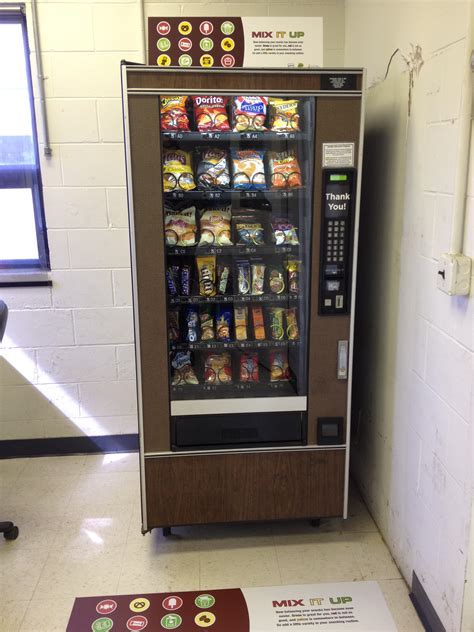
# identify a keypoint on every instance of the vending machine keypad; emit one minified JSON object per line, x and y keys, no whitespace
{"x":335,"y":264}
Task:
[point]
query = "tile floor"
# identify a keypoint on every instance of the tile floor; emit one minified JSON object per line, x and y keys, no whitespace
{"x":79,"y":520}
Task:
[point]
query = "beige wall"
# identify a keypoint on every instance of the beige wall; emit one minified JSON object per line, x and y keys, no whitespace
{"x":414,"y":369}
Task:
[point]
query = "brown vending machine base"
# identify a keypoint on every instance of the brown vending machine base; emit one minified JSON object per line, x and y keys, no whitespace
{"x":243,"y":487}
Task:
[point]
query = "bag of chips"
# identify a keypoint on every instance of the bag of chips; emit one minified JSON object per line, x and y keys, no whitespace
{"x":223,"y":323}
{"x":180,"y":227}
{"x":284,"y":115}
{"x":248,"y":169}
{"x":183,"y":372}
{"x":276,"y":279}
{"x":279,"y":370}
{"x":258,"y":278}
{"x":293,"y":269}
{"x":207,"y":323}
{"x":285,"y":172}
{"x":248,"y":367}
{"x":240,"y":320}
{"x":248,"y":231}
{"x":276,"y":323}
{"x":210,"y":113}
{"x":223,"y":278}
{"x":284,"y":233}
{"x":173,"y":114}
{"x":173,"y":325}
{"x":215,"y":227}
{"x":258,"y":323}
{"x":218,"y":368}
{"x":292,"y":330}
{"x":250,"y":113}
{"x":177,"y":170}
{"x":206,"y":266}
{"x":213,"y":169}
{"x":243,"y":276}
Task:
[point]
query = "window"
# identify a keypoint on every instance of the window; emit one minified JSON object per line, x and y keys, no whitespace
{"x":23,"y":242}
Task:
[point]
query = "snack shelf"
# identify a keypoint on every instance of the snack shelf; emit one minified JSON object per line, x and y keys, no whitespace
{"x":217,"y":345}
{"x":232,"y":250}
{"x":237,"y":389}
{"x":239,"y":194}
{"x":234,"y":298}
{"x":235,"y":136}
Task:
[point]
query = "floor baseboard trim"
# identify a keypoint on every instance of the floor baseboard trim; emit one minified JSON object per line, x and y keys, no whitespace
{"x":62,"y":446}
{"x":424,"y":608}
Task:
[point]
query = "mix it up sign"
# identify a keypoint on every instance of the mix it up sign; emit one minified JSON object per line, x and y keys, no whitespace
{"x":254,"y":42}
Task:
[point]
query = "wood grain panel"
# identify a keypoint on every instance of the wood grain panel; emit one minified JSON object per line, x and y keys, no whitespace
{"x":215,"y":80}
{"x":337,"y":120}
{"x":145,"y":150}
{"x":244,"y":487}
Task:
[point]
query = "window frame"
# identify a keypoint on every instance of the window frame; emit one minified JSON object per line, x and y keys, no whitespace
{"x":13,"y":175}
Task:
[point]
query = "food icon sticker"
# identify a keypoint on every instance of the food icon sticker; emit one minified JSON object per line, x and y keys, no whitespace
{"x":206,"y":44}
{"x":172,"y":603}
{"x":163,"y":27}
{"x":163,"y":44}
{"x":163,"y":60}
{"x":227,"y":27}
{"x":204,"y":601}
{"x":104,"y":624}
{"x":185,"y":28}
{"x":171,"y":621}
{"x":206,"y":27}
{"x":139,"y":604}
{"x":205,"y":619}
{"x":228,"y":44}
{"x":185,"y":61}
{"x":206,"y":61}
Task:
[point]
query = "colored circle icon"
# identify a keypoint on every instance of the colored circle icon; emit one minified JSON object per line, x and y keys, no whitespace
{"x":206,"y":61}
{"x":163,"y":44}
{"x":185,"y":28}
{"x":228,"y":44}
{"x":172,"y":603}
{"x":206,"y":44}
{"x":171,"y":621}
{"x":106,"y":606}
{"x":206,"y":27}
{"x":163,"y":28}
{"x":204,"y":601}
{"x":227,"y":27}
{"x":139,"y":604}
{"x":163,"y":60}
{"x":228,"y":61}
{"x":137,"y":622}
{"x":205,"y":619}
{"x":185,"y":61}
{"x":185,"y":44}
{"x":104,"y":624}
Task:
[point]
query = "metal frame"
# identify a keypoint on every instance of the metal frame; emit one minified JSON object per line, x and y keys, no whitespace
{"x":355,"y":249}
{"x":125,"y":94}
{"x":15,"y":174}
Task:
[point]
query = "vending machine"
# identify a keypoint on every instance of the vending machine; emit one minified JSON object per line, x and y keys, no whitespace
{"x":243,"y":203}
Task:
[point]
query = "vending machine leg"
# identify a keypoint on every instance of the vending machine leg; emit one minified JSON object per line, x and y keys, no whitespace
{"x":166,"y":532}
{"x":316,"y":522}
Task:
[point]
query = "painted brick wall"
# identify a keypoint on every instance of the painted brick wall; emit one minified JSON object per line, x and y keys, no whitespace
{"x":413,"y":452}
{"x":67,"y":364}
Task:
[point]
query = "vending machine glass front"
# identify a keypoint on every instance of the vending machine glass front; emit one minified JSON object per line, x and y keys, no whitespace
{"x":237,"y":176}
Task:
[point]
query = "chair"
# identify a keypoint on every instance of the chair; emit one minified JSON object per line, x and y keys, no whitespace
{"x":9,"y":530}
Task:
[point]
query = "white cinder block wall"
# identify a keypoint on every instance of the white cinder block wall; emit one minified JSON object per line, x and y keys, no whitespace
{"x":67,"y":365}
{"x":413,"y":454}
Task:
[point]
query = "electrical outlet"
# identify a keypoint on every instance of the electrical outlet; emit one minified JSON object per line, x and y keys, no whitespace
{"x":454,"y":274}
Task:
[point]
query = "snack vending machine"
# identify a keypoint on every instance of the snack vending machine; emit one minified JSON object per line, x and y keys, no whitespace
{"x":243,"y":202}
